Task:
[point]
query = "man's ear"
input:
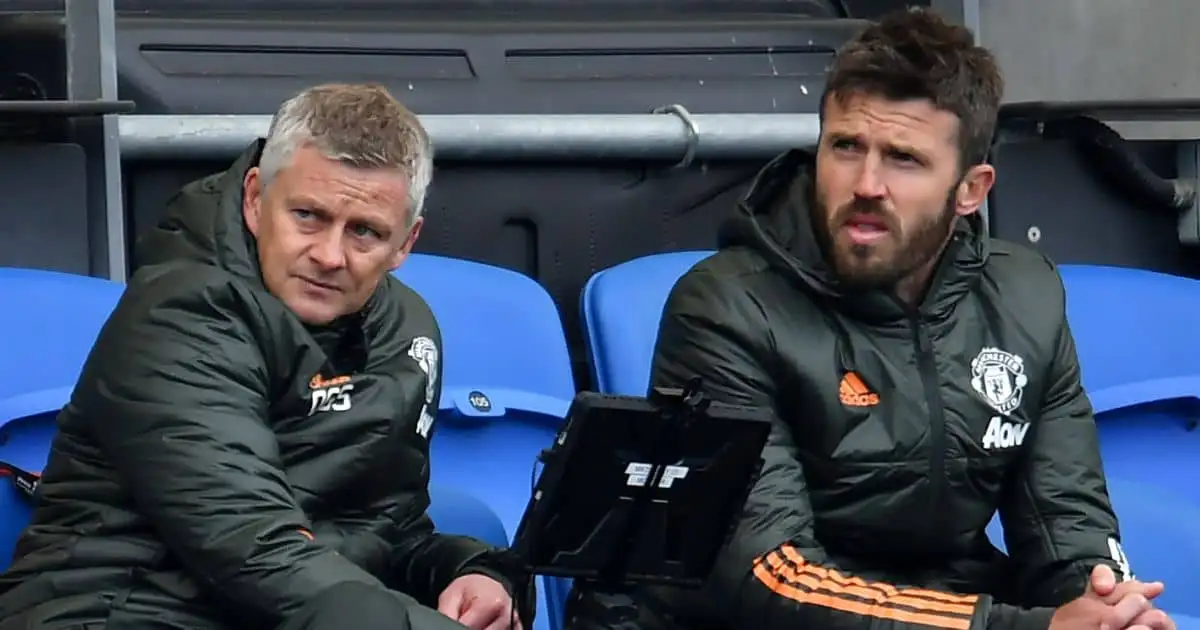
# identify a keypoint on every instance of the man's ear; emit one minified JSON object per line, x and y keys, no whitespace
{"x":973,"y":189}
{"x":252,"y":199}
{"x":409,"y":241}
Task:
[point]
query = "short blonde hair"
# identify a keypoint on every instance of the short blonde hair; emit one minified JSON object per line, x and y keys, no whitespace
{"x":359,"y":125}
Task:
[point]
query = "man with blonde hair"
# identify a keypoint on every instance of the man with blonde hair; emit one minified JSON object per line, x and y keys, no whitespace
{"x":248,"y":443}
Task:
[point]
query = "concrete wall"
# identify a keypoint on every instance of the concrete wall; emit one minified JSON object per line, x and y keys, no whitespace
{"x":1097,"y":49}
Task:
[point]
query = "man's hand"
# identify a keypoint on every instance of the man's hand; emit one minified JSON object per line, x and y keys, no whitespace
{"x":1108,"y":605}
{"x":479,"y":603}
{"x":1103,"y":584}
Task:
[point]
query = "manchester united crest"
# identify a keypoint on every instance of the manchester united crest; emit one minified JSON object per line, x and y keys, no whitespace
{"x":999,"y":378}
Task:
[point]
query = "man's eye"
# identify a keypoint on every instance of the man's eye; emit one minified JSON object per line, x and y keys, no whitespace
{"x":364,"y":231}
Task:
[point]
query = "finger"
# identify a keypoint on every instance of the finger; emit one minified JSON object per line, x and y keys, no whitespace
{"x":1153,"y":619}
{"x":450,"y":602}
{"x":1103,"y":580}
{"x":1149,"y":590}
{"x":481,"y":613}
{"x":1125,"y":611}
{"x":506,"y":621}
{"x":1120,"y":591}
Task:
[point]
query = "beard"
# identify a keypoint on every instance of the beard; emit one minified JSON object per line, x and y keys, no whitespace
{"x":880,"y":265}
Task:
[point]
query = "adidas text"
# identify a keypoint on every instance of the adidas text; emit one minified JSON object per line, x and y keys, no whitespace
{"x":1003,"y":434}
{"x":853,"y":392}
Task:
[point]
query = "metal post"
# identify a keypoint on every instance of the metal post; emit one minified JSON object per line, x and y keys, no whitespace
{"x":91,"y":76}
{"x":965,"y":12}
{"x":957,"y":11}
{"x":972,"y":18}
{"x":673,"y":135}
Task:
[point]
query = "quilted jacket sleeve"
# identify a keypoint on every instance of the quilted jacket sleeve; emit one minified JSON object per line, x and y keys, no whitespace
{"x":1058,"y":521}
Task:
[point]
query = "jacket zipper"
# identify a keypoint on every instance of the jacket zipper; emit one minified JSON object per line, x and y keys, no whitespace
{"x":927,"y":367}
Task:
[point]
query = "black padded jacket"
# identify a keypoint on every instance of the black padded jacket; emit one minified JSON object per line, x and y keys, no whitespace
{"x":900,"y":432}
{"x":220,"y":463}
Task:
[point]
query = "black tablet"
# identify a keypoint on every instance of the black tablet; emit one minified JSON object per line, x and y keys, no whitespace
{"x":642,"y":491}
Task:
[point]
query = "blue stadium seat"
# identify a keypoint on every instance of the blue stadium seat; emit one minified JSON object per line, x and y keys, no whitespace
{"x":456,"y":512}
{"x":621,"y":308}
{"x":1158,"y":532}
{"x":506,"y":382}
{"x":1139,"y":347}
{"x":50,"y":321}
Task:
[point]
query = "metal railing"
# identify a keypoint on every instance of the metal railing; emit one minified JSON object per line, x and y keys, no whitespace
{"x":673,"y":135}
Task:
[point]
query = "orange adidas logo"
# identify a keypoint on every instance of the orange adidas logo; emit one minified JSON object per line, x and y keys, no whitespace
{"x":855,"y":393}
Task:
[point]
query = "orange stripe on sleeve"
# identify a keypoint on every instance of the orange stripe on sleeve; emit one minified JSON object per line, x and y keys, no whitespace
{"x":787,"y":574}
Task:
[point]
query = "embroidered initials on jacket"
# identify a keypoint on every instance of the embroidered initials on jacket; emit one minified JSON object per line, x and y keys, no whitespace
{"x":330,"y":394}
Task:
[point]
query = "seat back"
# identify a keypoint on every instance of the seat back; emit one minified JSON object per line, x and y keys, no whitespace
{"x":1158,"y":533}
{"x":1136,"y":334}
{"x":621,"y":308}
{"x":455,"y":511}
{"x":506,"y":382}
{"x":50,"y":321}
{"x":1139,"y":350}
{"x":506,"y":379}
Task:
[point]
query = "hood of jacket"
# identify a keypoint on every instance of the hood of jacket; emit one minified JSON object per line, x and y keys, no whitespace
{"x":204,"y":224}
{"x":774,"y":219}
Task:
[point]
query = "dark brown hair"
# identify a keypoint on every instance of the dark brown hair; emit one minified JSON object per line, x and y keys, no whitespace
{"x":916,"y":54}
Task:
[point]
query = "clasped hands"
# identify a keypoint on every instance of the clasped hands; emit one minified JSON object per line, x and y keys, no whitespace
{"x":1109,"y":605}
{"x":479,"y":603}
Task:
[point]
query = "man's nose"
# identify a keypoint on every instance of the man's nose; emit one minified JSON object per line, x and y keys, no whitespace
{"x":329,"y":253}
{"x":870,"y":184}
